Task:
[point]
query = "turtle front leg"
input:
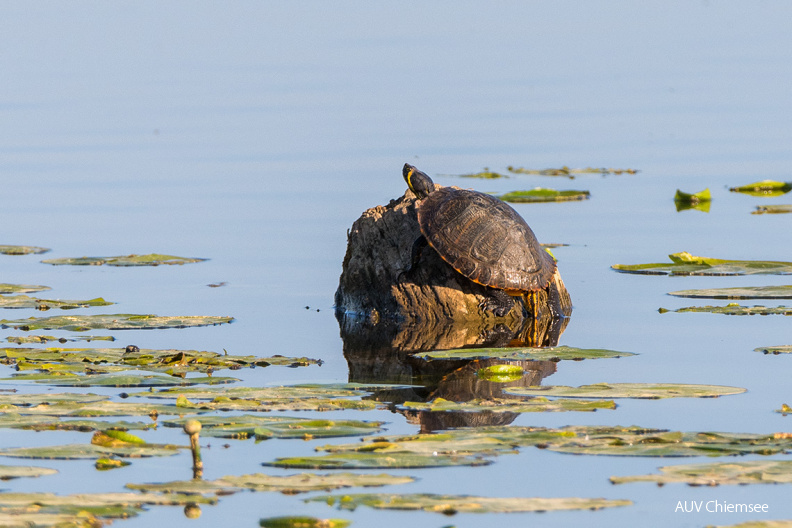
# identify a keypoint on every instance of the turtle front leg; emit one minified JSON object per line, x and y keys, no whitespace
{"x":498,"y":302}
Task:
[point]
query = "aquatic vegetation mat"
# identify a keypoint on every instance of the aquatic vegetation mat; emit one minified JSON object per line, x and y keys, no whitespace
{"x":12,"y":472}
{"x":486,"y":442}
{"x":734,"y":309}
{"x":89,"y":451}
{"x":289,"y":484}
{"x":767,"y":188}
{"x":21,"y":288}
{"x":22,"y":250}
{"x":77,"y":323}
{"x":264,"y":427}
{"x":14,"y":420}
{"x":302,"y":522}
{"x":570,"y":173}
{"x":540,"y":194}
{"x":508,"y":405}
{"x":522,"y":354}
{"x":773,"y":209}
{"x":23,"y":301}
{"x":753,"y":472}
{"x":41,"y":339}
{"x":153,"y":259}
{"x":781,"y":349}
{"x":90,"y":408}
{"x":629,"y":390}
{"x":686,"y":264}
{"x":378,"y":461}
{"x":486,"y":174}
{"x":745,"y":292}
{"x":451,"y":504}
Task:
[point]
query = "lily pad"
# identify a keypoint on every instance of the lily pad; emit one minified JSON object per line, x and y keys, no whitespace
{"x":49,"y":520}
{"x":262,"y":427}
{"x":376,"y":461}
{"x":773,"y":209}
{"x":89,"y":451}
{"x":49,"y":398}
{"x":764,"y":188}
{"x":451,"y":504}
{"x":79,"y":409}
{"x":23,"y":301}
{"x":745,"y":292}
{"x":486,"y":174}
{"x":152,"y":259}
{"x":21,"y":288}
{"x":735,"y":309}
{"x":12,"y":472}
{"x":86,"y":506}
{"x":169,"y":361}
{"x":523,"y":354}
{"x":118,"y":380}
{"x":686,"y":264}
{"x":781,"y":349}
{"x":303,"y":522}
{"x":540,"y":194}
{"x":501,"y":373}
{"x":22,"y":250}
{"x":15,"y":420}
{"x":753,"y":472}
{"x":629,"y":390}
{"x":289,"y":484}
{"x":19,"y":340}
{"x":75,"y":323}
{"x":694,"y":198}
{"x":506,"y":405}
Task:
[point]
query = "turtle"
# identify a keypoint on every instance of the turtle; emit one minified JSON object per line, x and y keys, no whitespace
{"x":484,"y":239}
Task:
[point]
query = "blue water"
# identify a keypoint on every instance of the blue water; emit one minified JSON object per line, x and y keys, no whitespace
{"x":255,"y":133}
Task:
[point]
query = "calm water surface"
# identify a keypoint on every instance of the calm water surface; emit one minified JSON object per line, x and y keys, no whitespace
{"x":255,"y":133}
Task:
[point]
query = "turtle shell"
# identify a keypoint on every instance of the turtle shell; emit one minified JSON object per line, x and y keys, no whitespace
{"x":485,"y":240}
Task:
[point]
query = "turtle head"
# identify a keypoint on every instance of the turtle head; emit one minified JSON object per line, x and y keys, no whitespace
{"x":418,"y":182}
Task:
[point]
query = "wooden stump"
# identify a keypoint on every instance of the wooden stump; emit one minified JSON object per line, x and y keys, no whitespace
{"x":433,"y":305}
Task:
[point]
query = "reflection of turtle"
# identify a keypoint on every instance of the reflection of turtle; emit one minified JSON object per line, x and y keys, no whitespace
{"x":482,"y":238}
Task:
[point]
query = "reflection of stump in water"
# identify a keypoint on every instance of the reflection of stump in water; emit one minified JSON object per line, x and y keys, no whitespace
{"x":386,"y":314}
{"x":443,"y":304}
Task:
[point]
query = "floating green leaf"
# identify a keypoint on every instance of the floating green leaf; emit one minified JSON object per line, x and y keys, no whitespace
{"x":523,"y":354}
{"x":773,"y":209}
{"x":686,"y":264}
{"x":451,"y":504}
{"x":700,"y":200}
{"x":89,"y":409}
{"x":15,"y":420}
{"x":23,"y":301}
{"x":262,"y":427}
{"x":75,"y":323}
{"x":152,"y":259}
{"x":23,"y":519}
{"x":289,"y":484}
{"x":22,"y":250}
{"x":12,"y":472}
{"x":781,"y":349}
{"x":764,"y":188}
{"x":540,"y":194}
{"x":735,"y":309}
{"x":753,"y":472}
{"x":505,"y":405}
{"x":501,"y":373}
{"x":104,"y":464}
{"x":22,"y":288}
{"x":49,"y":398}
{"x":303,"y":522}
{"x":745,"y":292}
{"x":629,"y":390}
{"x":89,"y":451}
